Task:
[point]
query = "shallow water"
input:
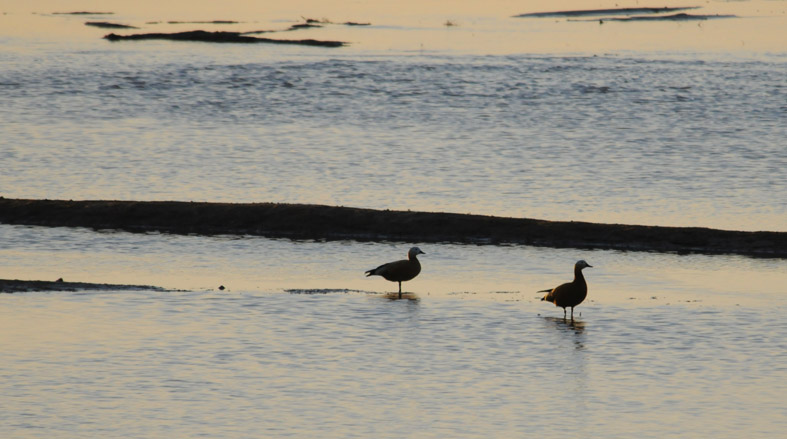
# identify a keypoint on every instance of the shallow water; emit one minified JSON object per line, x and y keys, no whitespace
{"x":340,"y":365}
{"x":246,"y":263}
{"x":301,"y":344}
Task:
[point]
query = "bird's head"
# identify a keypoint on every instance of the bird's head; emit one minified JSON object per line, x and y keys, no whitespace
{"x":582,"y":264}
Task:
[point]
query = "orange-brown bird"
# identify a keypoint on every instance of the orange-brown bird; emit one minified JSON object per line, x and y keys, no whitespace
{"x":400,"y":271}
{"x":569,"y":294}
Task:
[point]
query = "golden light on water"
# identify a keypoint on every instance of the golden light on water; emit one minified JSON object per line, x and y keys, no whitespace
{"x":479,"y":27}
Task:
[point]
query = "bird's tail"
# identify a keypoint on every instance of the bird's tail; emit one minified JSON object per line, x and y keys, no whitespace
{"x":370,"y":272}
{"x":546,"y":296}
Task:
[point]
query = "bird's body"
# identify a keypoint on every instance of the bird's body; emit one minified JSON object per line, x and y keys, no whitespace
{"x":569,"y":294}
{"x":400,"y":271}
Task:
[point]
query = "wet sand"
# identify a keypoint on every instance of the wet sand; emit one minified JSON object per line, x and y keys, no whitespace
{"x":26,"y":286}
{"x":318,"y":222}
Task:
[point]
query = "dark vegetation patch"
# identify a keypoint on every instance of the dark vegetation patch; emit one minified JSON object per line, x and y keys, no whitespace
{"x":305,"y":221}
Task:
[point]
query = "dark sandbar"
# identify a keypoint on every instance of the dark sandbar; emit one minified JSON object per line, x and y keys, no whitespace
{"x":303,"y":26}
{"x":25,"y":286}
{"x":82,"y":13}
{"x":303,"y":221}
{"x":219,"y":37}
{"x":673,"y":17}
{"x":108,"y":25}
{"x":205,"y":22}
{"x":325,"y":21}
{"x":314,"y":291}
{"x":614,"y":11}
{"x":310,"y":23}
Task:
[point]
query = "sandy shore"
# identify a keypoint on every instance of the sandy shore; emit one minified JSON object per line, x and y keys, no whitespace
{"x":303,"y":221}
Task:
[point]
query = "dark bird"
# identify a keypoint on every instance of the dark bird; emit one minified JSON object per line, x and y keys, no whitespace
{"x":400,"y":271}
{"x":569,"y":294}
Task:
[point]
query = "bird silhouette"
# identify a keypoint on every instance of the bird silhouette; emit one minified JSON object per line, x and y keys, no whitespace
{"x":569,"y":294}
{"x":400,"y":271}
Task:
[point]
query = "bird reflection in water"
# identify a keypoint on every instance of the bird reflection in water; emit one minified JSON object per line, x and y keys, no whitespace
{"x":575,"y":328}
{"x":402,"y":296}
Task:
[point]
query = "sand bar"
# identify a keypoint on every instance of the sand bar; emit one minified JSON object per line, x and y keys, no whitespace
{"x":219,"y":37}
{"x":306,"y":221}
{"x":27,"y":286}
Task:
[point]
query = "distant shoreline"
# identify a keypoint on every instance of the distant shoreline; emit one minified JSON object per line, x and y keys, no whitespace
{"x":319,"y":222}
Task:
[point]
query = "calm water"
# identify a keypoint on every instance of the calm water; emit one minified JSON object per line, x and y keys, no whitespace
{"x":300,"y":344}
{"x":657,"y":123}
{"x":348,"y":365}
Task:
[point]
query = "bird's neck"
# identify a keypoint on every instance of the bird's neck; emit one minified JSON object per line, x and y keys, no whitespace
{"x":578,"y":277}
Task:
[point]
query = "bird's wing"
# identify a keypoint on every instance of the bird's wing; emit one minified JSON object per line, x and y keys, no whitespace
{"x":394,"y":267}
{"x":390,"y":267}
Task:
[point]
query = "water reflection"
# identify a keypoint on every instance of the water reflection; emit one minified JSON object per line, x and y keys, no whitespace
{"x":573,"y":328}
{"x":296,"y":365}
{"x":404,"y":296}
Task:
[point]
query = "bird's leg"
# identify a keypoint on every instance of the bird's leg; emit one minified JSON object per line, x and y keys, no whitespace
{"x":564,"y":313}
{"x":572,"y":313}
{"x":400,"y":289}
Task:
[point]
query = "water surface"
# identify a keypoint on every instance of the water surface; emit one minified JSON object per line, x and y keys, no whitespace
{"x":300,"y":343}
{"x":649,"y":123}
{"x":246,"y":363}
{"x":659,"y":135}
